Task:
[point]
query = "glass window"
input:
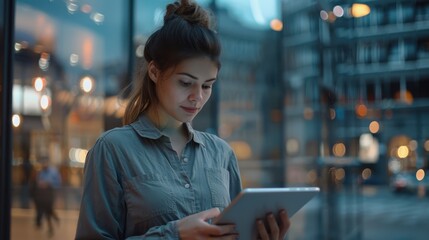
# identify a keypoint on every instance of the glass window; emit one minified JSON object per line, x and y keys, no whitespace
{"x":250,"y":95}
{"x":381,"y":16}
{"x":392,"y":14}
{"x":71,"y":61}
{"x":423,"y":48}
{"x":408,"y":12}
{"x":422,"y":11}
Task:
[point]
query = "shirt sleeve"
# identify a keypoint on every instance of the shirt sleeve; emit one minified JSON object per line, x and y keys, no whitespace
{"x":234,"y":178}
{"x":103,"y":210}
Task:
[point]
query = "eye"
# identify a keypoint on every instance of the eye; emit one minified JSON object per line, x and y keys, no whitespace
{"x":184,"y":83}
{"x":207,"y":86}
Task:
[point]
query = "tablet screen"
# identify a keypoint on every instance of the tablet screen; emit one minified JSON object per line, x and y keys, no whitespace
{"x":255,"y":203}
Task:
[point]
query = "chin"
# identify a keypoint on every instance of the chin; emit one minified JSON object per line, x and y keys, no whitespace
{"x":184,"y":118}
{"x":189,"y":119}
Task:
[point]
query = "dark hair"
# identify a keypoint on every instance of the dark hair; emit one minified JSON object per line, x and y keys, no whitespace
{"x":187,"y":32}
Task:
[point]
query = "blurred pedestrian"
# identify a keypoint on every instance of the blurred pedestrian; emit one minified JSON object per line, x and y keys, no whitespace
{"x":27,"y":171}
{"x":46,"y":182}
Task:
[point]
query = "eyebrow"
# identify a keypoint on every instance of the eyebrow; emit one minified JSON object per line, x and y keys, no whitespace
{"x":194,"y":77}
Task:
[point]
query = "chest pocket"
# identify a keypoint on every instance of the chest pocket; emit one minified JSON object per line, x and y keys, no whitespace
{"x":218,"y":181}
{"x":149,"y":197}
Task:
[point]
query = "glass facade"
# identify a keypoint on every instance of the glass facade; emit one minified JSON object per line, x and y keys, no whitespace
{"x":335,"y":97}
{"x":354,"y":108}
{"x":71,"y":61}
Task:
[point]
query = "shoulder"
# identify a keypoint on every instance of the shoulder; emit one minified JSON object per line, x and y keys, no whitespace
{"x":114,"y":140}
{"x":117,"y":135}
{"x":111,"y":146}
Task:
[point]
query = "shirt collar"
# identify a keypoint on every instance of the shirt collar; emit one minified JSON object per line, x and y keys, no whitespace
{"x":195,"y":135}
{"x":145,"y":128}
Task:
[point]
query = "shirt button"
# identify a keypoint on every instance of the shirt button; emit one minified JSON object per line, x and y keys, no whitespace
{"x":187,"y":185}
{"x":185,"y":160}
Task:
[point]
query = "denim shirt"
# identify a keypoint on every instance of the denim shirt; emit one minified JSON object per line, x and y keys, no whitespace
{"x":137,"y":187}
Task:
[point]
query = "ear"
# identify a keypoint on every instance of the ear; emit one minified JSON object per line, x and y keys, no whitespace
{"x":153,"y":71}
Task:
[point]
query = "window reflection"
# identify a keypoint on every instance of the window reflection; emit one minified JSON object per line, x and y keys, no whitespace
{"x":71,"y":60}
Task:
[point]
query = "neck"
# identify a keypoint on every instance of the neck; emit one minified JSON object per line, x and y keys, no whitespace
{"x":165,"y":123}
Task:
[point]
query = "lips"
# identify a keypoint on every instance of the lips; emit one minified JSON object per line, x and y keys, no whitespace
{"x":190,"y":109}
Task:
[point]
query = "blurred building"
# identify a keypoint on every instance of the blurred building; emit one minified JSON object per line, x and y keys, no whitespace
{"x":355,"y":78}
{"x":249,"y":100}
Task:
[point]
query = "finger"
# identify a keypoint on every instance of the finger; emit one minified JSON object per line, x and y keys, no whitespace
{"x":215,"y":230}
{"x":274,"y":227}
{"x":211,"y":230}
{"x":285,"y":222}
{"x":228,"y":229}
{"x":261,"y":229}
{"x":210,"y":213}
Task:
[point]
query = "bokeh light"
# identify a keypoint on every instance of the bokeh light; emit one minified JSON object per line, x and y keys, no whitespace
{"x":374,"y":127}
{"x":39,"y":84}
{"x":45,"y":102}
{"x":292,"y":146}
{"x":339,"y":149}
{"x":427,"y":145}
{"x":324,"y":15}
{"x":420,"y":174}
{"x":16,"y":120}
{"x":361,"y":110}
{"x":340,"y":174}
{"x":359,"y":10}
{"x":403,"y":152}
{"x":87,"y":84}
{"x":276,"y":25}
{"x":366,"y":174}
{"x":338,"y":11}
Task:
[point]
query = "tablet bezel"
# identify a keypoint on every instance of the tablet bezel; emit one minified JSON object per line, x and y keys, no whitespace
{"x":254,"y":203}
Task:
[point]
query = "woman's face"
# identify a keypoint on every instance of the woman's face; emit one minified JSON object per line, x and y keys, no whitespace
{"x":183,"y":90}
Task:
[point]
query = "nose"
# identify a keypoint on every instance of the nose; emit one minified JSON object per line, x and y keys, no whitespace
{"x":196,"y":94}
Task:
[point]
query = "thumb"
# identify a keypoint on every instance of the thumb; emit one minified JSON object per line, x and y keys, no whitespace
{"x":210,"y":213}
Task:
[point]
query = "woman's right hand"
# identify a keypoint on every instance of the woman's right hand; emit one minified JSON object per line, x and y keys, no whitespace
{"x":196,"y":227}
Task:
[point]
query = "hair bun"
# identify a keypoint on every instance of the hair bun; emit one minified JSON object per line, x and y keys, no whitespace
{"x":189,"y":11}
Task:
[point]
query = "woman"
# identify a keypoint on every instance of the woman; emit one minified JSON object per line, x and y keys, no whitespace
{"x":156,"y":177}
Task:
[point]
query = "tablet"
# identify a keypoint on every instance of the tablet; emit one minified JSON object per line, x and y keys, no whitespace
{"x":255,"y":203}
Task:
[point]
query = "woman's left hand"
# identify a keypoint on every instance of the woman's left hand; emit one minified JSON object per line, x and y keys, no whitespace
{"x":273,"y":229}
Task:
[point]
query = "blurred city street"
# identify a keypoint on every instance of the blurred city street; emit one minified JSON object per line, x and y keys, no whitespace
{"x":384,"y":215}
{"x":381,"y":213}
{"x":392,"y":216}
{"x":23,"y":225}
